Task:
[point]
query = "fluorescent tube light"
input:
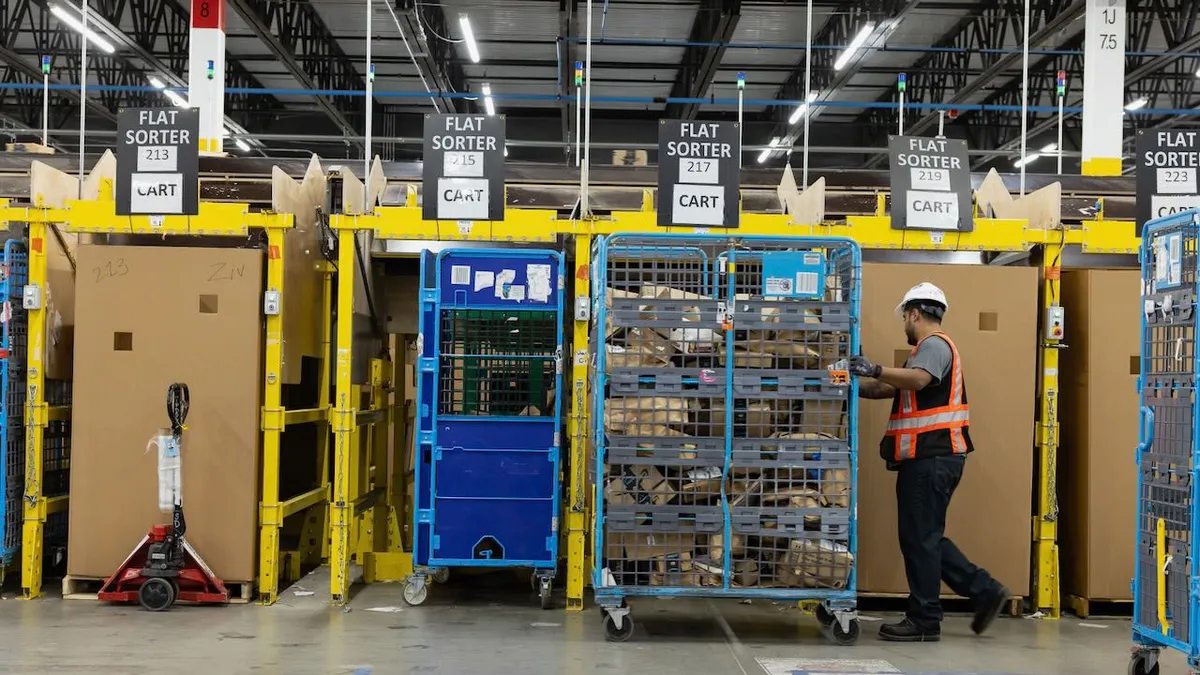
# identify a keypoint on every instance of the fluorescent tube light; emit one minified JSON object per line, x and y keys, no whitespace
{"x":464,"y":22}
{"x":855,"y":44}
{"x":76,"y":24}
{"x":1026,"y":160}
{"x":488,"y":104}
{"x":1135,"y":105}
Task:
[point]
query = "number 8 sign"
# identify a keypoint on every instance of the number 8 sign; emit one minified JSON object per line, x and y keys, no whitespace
{"x":208,"y":14}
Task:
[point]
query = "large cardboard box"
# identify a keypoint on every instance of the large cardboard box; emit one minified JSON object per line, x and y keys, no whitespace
{"x":993,"y":322}
{"x":1099,"y":422}
{"x":161,"y":318}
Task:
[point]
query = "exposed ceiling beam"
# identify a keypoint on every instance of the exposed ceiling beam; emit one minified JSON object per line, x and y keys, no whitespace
{"x":425,"y":24}
{"x":567,"y":56}
{"x":292,"y":29}
{"x":714,"y":26}
{"x":1146,"y":66}
{"x":942,"y":77}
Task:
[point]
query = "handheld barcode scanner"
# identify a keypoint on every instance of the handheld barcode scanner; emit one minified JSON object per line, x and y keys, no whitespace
{"x":164,"y":568}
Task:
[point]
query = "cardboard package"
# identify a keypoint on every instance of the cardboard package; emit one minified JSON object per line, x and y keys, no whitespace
{"x":158,"y":319}
{"x":993,"y":322}
{"x":814,"y":563}
{"x":621,"y":413}
{"x":1099,"y":422}
{"x":639,"y":485}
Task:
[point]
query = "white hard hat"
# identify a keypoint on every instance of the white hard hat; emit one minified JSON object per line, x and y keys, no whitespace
{"x":923,"y":291}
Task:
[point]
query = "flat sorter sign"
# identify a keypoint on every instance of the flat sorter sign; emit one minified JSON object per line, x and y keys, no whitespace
{"x":1166,"y":165}
{"x":931,"y":184}
{"x":699,"y":173}
{"x":158,"y":162}
{"x":463,"y":177}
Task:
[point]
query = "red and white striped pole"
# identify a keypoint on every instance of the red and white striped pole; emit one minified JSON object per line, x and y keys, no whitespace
{"x":206,"y":71}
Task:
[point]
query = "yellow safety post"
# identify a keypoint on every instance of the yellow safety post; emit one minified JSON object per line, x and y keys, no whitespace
{"x":577,"y":520}
{"x":1161,"y":575}
{"x":36,"y":417}
{"x":270,"y":510}
{"x":1045,"y":521}
{"x":345,"y":424}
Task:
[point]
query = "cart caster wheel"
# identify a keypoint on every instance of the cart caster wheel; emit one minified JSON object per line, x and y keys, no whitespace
{"x":415,"y":594}
{"x":156,"y":594}
{"x":614,"y":634}
{"x":824,"y":617}
{"x":1139,"y":665}
{"x":842,"y":637}
{"x":441,"y":575}
{"x":544,"y":595}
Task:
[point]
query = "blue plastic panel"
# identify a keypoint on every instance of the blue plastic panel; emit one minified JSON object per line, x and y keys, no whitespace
{"x":487,"y":470}
{"x":478,"y":279}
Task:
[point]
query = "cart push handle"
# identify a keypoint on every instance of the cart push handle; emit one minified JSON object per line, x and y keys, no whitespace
{"x":1146,"y":422}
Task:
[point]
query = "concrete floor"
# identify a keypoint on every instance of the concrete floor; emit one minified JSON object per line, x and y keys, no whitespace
{"x":489,"y":630}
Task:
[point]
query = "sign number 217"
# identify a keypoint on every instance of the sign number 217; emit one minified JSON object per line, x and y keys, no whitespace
{"x":698,"y":171}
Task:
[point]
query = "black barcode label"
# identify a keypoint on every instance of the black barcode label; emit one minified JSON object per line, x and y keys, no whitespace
{"x":806,"y":283}
{"x":460,"y":275}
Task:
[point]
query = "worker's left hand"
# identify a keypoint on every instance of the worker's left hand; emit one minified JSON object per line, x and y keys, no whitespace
{"x":861,"y":366}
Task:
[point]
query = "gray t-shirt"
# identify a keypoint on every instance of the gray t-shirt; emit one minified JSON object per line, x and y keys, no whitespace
{"x":934,"y":357}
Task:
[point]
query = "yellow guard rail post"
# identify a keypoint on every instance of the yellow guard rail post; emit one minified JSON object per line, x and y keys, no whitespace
{"x":99,"y":217}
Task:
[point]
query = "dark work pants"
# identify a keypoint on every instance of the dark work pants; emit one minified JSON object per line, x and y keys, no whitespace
{"x":923,"y":491}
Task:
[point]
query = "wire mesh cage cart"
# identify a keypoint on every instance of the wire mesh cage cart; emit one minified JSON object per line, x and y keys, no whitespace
{"x":14,"y":273}
{"x":724,"y":422}
{"x":1164,"y":577}
{"x":489,"y":414}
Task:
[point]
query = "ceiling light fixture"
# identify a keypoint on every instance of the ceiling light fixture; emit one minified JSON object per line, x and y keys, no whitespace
{"x":799,"y":112}
{"x":488,"y":104}
{"x":855,"y":44}
{"x":77,"y":25}
{"x":1137,"y":104}
{"x":464,"y":22}
{"x":762,"y":156}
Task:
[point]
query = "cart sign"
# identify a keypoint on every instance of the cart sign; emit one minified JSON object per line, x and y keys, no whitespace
{"x":463,"y":178}
{"x":1167,"y":163}
{"x":931,"y":184}
{"x":158,"y":162}
{"x":699,"y":172}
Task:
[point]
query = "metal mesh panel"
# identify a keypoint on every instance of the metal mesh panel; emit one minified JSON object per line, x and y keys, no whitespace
{"x":497,"y":362}
{"x":726,"y":441}
{"x":1166,"y":458}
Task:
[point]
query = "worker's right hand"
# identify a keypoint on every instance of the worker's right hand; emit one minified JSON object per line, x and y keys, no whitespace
{"x":861,"y":366}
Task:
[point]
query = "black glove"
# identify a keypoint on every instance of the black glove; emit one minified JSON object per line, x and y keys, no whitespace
{"x":861,"y":366}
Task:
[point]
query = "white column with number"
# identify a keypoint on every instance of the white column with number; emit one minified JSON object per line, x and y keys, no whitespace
{"x":1103,"y":87}
{"x":206,"y":71}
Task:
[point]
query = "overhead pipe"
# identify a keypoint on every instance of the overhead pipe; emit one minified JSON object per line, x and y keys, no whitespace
{"x":653,"y":100}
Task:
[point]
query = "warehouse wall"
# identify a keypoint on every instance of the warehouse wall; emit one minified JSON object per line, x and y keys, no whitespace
{"x":993,"y":321}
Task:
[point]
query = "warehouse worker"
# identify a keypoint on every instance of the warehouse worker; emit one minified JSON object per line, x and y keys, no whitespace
{"x":926,"y":443}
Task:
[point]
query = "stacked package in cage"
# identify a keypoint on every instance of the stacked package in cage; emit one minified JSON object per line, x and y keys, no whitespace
{"x":678,"y":467}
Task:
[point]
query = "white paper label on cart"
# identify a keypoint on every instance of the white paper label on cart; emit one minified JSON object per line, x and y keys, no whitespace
{"x":462,"y":199}
{"x":484,"y":280}
{"x":504,"y":282}
{"x":932,"y":210}
{"x":538,"y":277}
{"x":698,"y":205}
{"x":460,"y":275}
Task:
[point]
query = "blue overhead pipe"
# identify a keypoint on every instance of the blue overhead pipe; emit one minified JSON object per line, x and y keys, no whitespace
{"x":653,"y":100}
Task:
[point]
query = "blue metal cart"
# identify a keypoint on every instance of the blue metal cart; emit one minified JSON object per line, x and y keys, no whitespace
{"x":14,"y":273}
{"x":489,"y":414}
{"x":724,"y":422}
{"x":1164,"y":582}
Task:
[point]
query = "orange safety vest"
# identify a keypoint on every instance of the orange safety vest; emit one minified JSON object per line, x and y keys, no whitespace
{"x":932,"y":422}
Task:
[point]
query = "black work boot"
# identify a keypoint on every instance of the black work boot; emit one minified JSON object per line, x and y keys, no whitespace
{"x":988,"y":610}
{"x":907,"y":631}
